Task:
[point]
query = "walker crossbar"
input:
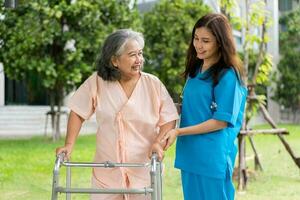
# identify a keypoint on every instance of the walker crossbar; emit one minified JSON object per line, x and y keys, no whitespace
{"x":106,"y":164}
{"x":105,"y":191}
{"x":155,"y":173}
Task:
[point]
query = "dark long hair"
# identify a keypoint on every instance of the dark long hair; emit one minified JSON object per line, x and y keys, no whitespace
{"x":219,"y":26}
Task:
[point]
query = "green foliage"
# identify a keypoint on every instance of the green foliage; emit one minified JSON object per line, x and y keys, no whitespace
{"x":264,"y":71}
{"x":290,"y":31}
{"x":253,"y":106}
{"x":257,"y":16}
{"x":287,"y":92}
{"x":59,"y":40}
{"x":263,"y":81}
{"x":229,"y":8}
{"x":168,"y":29}
{"x":257,"y":63}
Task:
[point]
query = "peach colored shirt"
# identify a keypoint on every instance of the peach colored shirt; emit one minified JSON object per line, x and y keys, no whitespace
{"x":126,"y":127}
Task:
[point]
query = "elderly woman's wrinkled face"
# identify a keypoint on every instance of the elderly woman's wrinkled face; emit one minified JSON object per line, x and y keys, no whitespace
{"x":131,"y":61}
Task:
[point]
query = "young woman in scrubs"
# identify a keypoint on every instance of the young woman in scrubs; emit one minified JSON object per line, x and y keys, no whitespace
{"x":212,"y":112}
{"x":133,"y":110}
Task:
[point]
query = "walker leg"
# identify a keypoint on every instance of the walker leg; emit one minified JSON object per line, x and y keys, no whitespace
{"x":55,"y":185}
{"x":159,"y":181}
{"x":153,"y":174}
{"x":68,"y":182}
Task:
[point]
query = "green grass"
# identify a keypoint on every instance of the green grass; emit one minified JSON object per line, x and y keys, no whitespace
{"x":280,"y":179}
{"x":26,"y":169}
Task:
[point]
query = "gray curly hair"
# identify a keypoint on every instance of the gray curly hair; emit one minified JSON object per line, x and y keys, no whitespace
{"x":114,"y":45}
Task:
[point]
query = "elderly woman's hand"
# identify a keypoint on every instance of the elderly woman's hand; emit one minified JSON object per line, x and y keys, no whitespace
{"x":67,"y":149}
{"x":157,"y":148}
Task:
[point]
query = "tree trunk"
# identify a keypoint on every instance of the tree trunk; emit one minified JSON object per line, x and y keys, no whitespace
{"x":245,"y":32}
{"x":52,"y":112}
{"x":294,"y":110}
{"x":261,"y":52}
{"x":58,"y":114}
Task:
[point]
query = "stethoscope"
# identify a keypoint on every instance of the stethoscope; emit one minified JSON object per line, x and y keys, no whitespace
{"x":213,"y":105}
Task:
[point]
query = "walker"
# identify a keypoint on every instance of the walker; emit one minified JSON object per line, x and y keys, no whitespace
{"x":155,"y":173}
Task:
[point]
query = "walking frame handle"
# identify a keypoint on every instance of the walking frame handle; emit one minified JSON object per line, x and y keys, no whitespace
{"x":59,"y":160}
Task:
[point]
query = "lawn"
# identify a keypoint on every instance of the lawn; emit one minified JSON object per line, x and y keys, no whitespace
{"x":26,"y":169}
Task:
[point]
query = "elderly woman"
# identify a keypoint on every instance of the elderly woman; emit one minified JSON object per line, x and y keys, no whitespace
{"x":133,"y":111}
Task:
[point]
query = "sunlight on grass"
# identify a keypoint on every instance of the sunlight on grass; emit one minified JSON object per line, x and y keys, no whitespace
{"x":26,"y":169}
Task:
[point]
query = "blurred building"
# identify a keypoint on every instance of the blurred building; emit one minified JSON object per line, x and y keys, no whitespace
{"x":286,"y":6}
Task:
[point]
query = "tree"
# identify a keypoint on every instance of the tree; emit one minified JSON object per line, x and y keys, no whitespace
{"x":167,"y":32}
{"x":253,"y":26}
{"x":257,"y":62}
{"x":287,"y":92}
{"x":58,"y":41}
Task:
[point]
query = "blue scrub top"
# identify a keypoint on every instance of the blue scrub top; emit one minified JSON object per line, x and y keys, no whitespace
{"x":213,"y":153}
